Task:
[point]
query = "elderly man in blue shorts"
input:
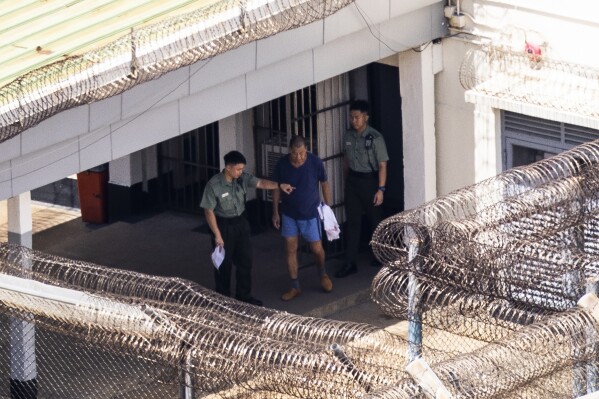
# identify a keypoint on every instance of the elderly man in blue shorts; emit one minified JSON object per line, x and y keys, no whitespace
{"x":305,"y":173}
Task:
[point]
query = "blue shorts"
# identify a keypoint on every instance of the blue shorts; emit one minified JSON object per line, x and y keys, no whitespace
{"x":308,"y":229}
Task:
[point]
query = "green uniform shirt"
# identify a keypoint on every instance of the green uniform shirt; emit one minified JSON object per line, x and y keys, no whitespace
{"x":226,"y":199}
{"x":359,"y":158}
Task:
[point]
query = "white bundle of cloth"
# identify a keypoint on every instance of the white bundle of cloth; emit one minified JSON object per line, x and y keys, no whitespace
{"x":331,"y":227}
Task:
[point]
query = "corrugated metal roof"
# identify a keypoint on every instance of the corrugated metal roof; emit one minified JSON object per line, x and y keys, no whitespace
{"x":34,"y":33}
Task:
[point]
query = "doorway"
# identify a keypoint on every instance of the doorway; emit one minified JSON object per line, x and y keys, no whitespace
{"x":185,"y":164}
{"x":318,"y":113}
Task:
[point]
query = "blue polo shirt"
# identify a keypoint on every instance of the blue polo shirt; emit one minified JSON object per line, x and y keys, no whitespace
{"x":302,"y":203}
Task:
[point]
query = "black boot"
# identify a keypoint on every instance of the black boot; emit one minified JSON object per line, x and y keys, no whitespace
{"x":346,"y":270}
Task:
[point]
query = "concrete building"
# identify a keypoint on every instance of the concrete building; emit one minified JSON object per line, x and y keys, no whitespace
{"x":460,"y":89}
{"x":518,"y":84}
{"x":233,"y":101}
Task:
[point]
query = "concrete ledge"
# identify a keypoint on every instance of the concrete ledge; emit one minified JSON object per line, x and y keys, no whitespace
{"x":338,"y":305}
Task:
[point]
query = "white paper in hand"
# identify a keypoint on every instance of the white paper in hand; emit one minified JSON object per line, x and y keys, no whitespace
{"x":218,"y":255}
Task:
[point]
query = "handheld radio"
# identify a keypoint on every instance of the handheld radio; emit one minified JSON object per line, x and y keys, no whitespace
{"x":368,"y":141}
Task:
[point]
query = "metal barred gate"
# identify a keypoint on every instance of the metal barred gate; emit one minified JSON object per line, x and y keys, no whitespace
{"x":319,"y":113}
{"x":186,"y":163}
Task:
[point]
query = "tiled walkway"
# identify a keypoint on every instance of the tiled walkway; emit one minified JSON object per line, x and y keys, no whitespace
{"x":44,"y":217}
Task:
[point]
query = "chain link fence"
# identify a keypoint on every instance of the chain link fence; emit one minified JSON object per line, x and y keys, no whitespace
{"x":489,"y":277}
{"x":497,"y":281}
{"x":531,"y":79}
{"x":73,"y":329}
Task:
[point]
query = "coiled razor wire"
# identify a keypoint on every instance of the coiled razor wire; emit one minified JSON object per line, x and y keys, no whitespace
{"x":493,"y":274}
{"x":531,"y":79}
{"x":148,"y":53}
{"x":178,"y":327}
{"x":525,"y":236}
{"x":555,"y":344}
{"x":496,"y":262}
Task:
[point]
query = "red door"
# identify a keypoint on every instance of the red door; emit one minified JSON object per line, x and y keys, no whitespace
{"x":93,"y":187}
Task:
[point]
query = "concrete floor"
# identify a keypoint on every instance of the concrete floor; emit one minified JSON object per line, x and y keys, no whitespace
{"x":176,"y":244}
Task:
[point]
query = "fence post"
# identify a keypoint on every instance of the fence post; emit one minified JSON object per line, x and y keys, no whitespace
{"x":186,"y":388}
{"x":592,"y":372}
{"x":23,"y":366}
{"x":414,"y":311}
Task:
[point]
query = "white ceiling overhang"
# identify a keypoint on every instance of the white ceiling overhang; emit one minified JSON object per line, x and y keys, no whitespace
{"x":64,"y":53}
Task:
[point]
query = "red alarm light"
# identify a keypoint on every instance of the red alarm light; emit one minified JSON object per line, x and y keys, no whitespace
{"x":534,"y":51}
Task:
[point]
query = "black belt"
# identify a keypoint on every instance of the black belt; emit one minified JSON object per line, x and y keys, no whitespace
{"x":230,"y":221}
{"x":364,"y":175}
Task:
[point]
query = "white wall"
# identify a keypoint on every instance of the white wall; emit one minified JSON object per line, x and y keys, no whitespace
{"x":212,"y":90}
{"x":569,"y":29}
{"x":454,"y":123}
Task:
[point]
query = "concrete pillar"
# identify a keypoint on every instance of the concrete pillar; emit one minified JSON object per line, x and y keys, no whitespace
{"x":23,"y":368}
{"x":126,"y":171}
{"x":129,"y":179}
{"x":487,"y":142}
{"x":235,"y":133}
{"x":417,"y":89}
{"x":20,"y":223}
{"x":137,"y":167}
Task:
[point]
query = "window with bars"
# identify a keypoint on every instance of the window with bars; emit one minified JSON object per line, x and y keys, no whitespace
{"x":544,"y":131}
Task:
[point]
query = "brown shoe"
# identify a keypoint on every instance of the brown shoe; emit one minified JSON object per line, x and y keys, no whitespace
{"x":292,"y":293}
{"x":326,"y":283}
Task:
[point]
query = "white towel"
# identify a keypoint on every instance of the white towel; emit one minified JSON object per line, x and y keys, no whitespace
{"x":331,"y":227}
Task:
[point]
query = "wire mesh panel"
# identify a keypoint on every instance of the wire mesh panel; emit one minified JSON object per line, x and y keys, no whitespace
{"x":95,"y":326}
{"x":69,"y":368}
{"x":500,"y":72}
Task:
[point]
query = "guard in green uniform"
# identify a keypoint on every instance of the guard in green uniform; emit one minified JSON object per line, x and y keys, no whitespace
{"x":365,"y":167}
{"x":224,"y":206}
